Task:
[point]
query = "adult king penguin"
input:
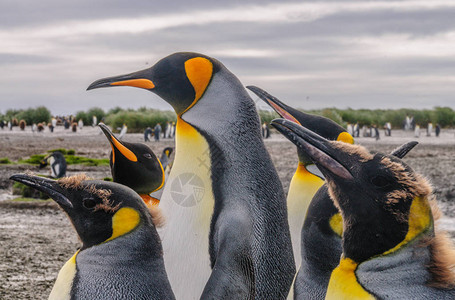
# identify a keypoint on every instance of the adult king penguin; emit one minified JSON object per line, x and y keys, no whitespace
{"x":390,"y":247}
{"x":165,"y":158}
{"x":307,"y":178}
{"x":57,"y":162}
{"x":136,"y":166}
{"x":121,"y":253}
{"x":317,"y":246}
{"x":224,"y":204}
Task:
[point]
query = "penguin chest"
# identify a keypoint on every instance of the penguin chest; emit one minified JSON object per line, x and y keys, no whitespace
{"x":302,"y":188}
{"x":64,"y":282}
{"x":187,"y":203}
{"x":55,"y":167}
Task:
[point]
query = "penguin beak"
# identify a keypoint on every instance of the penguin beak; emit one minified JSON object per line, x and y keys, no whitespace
{"x":320,"y":150}
{"x":137,"y":79}
{"x":401,"y":151}
{"x":282,"y":109}
{"x":47,"y":186}
{"x":116,"y":144}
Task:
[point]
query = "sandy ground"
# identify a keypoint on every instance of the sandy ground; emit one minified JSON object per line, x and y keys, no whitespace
{"x":37,"y":238}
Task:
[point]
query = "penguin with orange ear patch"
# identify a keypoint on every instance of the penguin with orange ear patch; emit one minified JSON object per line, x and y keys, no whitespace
{"x":136,"y":166}
{"x":307,"y":178}
{"x":121,"y":254}
{"x":226,"y":232}
{"x":316,"y":224}
{"x":391,"y":249}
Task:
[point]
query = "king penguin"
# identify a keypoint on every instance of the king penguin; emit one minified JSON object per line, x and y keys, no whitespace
{"x":321,"y":246}
{"x":57,"y":162}
{"x":224,"y":205}
{"x":317,"y":246}
{"x":391,"y":249}
{"x":121,"y":253}
{"x":136,"y":166}
{"x":307,"y":178}
{"x":166,"y":161}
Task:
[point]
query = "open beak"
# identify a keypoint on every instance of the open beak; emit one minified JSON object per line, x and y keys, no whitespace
{"x":47,"y":186}
{"x":137,"y":79}
{"x":282,"y":109}
{"x":319,"y":150}
{"x":116,"y":144}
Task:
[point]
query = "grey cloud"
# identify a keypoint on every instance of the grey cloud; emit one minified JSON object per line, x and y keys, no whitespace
{"x":344,"y":59}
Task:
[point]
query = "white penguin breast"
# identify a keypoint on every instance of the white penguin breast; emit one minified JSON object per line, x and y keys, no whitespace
{"x":187,"y":203}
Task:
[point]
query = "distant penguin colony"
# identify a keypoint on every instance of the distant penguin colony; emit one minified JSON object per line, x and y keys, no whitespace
{"x":391,"y":249}
{"x":121,"y":254}
{"x":211,"y":221}
{"x":231,"y":220}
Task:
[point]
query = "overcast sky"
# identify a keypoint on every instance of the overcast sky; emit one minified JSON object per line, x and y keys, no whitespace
{"x":309,"y":54}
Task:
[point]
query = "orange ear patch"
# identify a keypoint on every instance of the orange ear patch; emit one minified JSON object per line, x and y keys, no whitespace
{"x":199,"y":71}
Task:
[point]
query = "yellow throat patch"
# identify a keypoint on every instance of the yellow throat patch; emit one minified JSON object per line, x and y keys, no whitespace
{"x":344,"y":285}
{"x":336,"y":224}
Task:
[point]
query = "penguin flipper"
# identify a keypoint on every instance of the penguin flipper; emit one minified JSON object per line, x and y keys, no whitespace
{"x":233,"y":271}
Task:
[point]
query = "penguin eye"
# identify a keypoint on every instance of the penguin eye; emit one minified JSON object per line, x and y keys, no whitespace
{"x":148,"y":155}
{"x":380,"y":181}
{"x":89,"y":203}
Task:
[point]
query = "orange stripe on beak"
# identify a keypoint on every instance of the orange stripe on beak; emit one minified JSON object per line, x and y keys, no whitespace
{"x":125,"y":151}
{"x":139,"y":83}
{"x":283,"y":113}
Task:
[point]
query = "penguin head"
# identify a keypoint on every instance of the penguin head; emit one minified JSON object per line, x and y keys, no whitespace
{"x":134,"y":165}
{"x":43,"y":163}
{"x":318,"y":124}
{"x":168,"y":151}
{"x":180,"y":79}
{"x":100,"y":211}
{"x":383,"y":202}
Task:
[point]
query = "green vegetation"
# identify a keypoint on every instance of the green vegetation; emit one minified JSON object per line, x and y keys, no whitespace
{"x":27,"y":192}
{"x":30,"y":115}
{"x":267,"y":115}
{"x":443,"y":116}
{"x":33,"y":160}
{"x":5,"y":161}
{"x":26,"y":199}
{"x":71,"y":159}
{"x":63,"y":151}
{"x":76,"y":160}
{"x":88,"y":115}
{"x":138,"y":120}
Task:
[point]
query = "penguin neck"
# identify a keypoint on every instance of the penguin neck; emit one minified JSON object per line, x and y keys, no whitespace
{"x":187,"y":202}
{"x":344,"y":284}
{"x":419,"y":227}
{"x":146,"y":246}
{"x":302,"y":188}
{"x":130,"y":265}
{"x":149,"y":200}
